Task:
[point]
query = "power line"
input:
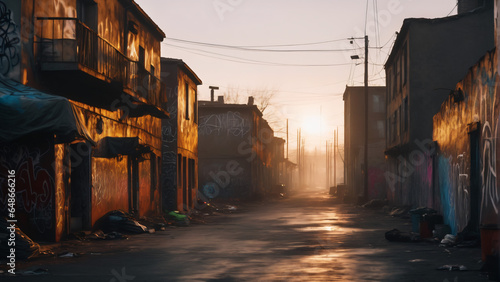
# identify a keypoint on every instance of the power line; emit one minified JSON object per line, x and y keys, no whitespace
{"x":258,"y":46}
{"x":250,"y":61}
{"x":452,"y":9}
{"x":258,"y":50}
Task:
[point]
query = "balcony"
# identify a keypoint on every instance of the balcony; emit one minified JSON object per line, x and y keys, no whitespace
{"x":66,"y":44}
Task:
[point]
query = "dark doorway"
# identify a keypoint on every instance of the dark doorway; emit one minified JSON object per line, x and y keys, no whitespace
{"x":80,"y":202}
{"x":185,"y":184}
{"x":133,"y":168}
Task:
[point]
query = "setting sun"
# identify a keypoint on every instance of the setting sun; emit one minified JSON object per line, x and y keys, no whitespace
{"x":312,"y":125}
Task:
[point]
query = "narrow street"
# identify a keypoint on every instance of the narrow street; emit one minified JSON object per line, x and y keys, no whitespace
{"x":307,"y":237}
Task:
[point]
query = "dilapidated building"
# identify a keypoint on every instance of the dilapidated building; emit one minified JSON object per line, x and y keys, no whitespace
{"x":179,"y":176}
{"x":235,"y":150}
{"x":428,"y":58}
{"x":104,"y":58}
{"x":354,"y":142}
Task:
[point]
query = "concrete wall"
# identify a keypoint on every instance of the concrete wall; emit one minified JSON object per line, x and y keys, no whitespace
{"x":467,"y":172}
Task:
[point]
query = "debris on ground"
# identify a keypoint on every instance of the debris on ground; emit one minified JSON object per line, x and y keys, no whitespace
{"x":375,"y":204}
{"x":452,"y":267}
{"x":37,"y":271}
{"x":156,"y":223}
{"x":25,"y":247}
{"x":68,"y":255}
{"x":395,"y":235}
{"x":230,"y":208}
{"x":99,"y":235}
{"x":119,"y":221}
{"x":440,"y":230}
{"x":402,"y":211}
{"x":448,"y":241}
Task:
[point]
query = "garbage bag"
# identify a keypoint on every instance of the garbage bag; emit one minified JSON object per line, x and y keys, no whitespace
{"x":25,"y":247}
{"x":120,"y":221}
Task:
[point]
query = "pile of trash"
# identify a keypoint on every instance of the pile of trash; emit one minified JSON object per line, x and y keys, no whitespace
{"x":119,"y":221}
{"x":25,"y":247}
{"x":395,"y":235}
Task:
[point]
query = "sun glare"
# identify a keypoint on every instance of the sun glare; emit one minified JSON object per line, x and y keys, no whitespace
{"x":312,"y":125}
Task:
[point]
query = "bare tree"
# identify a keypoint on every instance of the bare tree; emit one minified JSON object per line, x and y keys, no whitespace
{"x":263,"y":98}
{"x":232,"y":95}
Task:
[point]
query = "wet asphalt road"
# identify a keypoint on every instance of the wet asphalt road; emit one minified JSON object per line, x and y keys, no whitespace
{"x":307,"y":237}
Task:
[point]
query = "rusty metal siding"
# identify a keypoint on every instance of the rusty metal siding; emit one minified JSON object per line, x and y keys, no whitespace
{"x":109,"y":186}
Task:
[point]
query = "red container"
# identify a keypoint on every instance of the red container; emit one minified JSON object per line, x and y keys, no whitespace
{"x":490,"y":241}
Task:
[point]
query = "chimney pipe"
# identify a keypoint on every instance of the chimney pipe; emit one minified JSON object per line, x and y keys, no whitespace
{"x":212,"y":88}
{"x":250,"y":100}
{"x":220,"y":99}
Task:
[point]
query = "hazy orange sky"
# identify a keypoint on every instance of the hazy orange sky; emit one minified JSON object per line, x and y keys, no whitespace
{"x":310,"y":84}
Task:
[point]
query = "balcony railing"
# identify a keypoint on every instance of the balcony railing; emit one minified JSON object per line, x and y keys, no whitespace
{"x":64,"y":42}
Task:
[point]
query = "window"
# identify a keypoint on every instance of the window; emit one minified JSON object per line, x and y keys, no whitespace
{"x":405,"y":64}
{"x":393,"y":127}
{"x":179,"y":170}
{"x":191,"y":173}
{"x":388,"y":82}
{"x":195,"y":107}
{"x":395,"y":76}
{"x":398,"y":122}
{"x":377,"y":104}
{"x":87,"y":13}
{"x":405,"y":114}
{"x":380,"y":128}
{"x":186,"y":95}
{"x":142,"y":58}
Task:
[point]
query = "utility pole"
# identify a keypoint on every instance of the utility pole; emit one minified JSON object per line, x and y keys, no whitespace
{"x":327,"y":174}
{"x":335,"y":135}
{"x":299,"y":161}
{"x":365,"y":194}
{"x":287,"y":139}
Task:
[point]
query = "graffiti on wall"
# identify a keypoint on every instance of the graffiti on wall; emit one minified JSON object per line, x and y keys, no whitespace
{"x":229,"y":124}
{"x":477,"y":106}
{"x":490,"y":193}
{"x":34,"y":182}
{"x":9,"y":42}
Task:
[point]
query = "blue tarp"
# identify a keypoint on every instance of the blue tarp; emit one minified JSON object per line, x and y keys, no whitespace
{"x":25,"y":111}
